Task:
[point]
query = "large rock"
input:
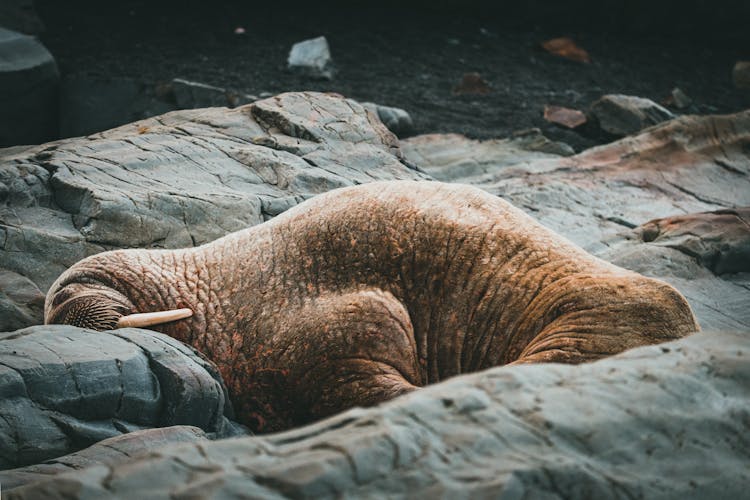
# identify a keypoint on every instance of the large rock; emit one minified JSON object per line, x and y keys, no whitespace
{"x":622,"y":115}
{"x":180,"y":179}
{"x":110,"y":451}
{"x":597,"y":198}
{"x":28,"y":90}
{"x":668,"y":421}
{"x":64,"y":388}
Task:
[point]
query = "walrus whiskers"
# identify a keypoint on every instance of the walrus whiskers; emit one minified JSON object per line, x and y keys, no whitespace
{"x":140,"y":320}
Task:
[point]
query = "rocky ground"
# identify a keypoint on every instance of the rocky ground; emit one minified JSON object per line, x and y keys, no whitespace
{"x":667,"y":202}
{"x":128,"y":412}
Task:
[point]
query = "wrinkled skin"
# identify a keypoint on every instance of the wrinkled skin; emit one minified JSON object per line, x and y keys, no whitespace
{"x":365,"y":293}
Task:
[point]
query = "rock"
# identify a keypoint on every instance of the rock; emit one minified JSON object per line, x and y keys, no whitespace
{"x":596,"y":198}
{"x":29,"y":83}
{"x":190,"y":95}
{"x":719,"y":240}
{"x":21,"y":301}
{"x":679,"y":99}
{"x":65,"y":388}
{"x":453,"y":157}
{"x":472,"y":83}
{"x":569,"y":118}
{"x":741,"y":75}
{"x":567,"y":48}
{"x":20,"y":15}
{"x":90,"y":104}
{"x":312,"y":58}
{"x":181,"y":179}
{"x":622,"y":115}
{"x":111,"y":451}
{"x":638,"y":425}
{"x":396,"y":120}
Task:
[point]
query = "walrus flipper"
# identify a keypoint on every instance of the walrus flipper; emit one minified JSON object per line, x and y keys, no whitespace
{"x":360,"y":351}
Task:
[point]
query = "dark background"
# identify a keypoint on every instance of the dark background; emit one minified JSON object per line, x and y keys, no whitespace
{"x":411,"y":55}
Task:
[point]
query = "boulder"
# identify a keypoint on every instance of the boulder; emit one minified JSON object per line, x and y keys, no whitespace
{"x":397,"y":120}
{"x":622,"y":115}
{"x":312,"y":58}
{"x":29,"y":83}
{"x":180,"y":179}
{"x":638,"y":425}
{"x":110,"y":451}
{"x":65,"y":388}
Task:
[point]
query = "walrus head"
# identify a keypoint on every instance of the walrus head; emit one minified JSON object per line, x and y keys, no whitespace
{"x":83,"y":301}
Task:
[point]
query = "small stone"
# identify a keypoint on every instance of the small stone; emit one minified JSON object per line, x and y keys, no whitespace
{"x":679,"y":99}
{"x":396,"y":120}
{"x":312,"y":58}
{"x":567,"y":117}
{"x":567,"y":48}
{"x":472,"y":83}
{"x":622,"y":115}
{"x":741,"y":75}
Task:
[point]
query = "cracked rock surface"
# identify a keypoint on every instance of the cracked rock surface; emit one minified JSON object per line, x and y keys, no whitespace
{"x":180,"y":179}
{"x":111,"y":451}
{"x":64,"y":388}
{"x":668,"y":421}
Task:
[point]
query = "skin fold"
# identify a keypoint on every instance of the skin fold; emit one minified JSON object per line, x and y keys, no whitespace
{"x":364,"y":293}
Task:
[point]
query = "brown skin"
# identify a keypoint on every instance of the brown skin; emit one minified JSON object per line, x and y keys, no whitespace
{"x":365,"y":293}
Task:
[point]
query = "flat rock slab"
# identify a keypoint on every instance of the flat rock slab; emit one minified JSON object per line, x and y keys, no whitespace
{"x":668,"y":421}
{"x":64,"y":388}
{"x":181,"y":179}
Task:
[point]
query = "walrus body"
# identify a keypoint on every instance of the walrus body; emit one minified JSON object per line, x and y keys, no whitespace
{"x":365,"y":293}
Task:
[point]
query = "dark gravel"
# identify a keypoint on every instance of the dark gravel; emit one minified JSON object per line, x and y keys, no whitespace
{"x":405,"y":57}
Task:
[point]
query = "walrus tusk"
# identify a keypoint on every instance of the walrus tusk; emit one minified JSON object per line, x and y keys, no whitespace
{"x":153,"y":318}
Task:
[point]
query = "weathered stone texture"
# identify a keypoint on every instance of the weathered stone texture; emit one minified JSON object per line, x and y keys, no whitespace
{"x":668,"y":421}
{"x":64,"y":388}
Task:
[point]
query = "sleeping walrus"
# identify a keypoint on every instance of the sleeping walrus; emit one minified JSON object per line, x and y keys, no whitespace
{"x":365,"y":293}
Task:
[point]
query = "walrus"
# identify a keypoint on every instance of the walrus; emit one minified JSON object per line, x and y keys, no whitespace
{"x":368,"y":292}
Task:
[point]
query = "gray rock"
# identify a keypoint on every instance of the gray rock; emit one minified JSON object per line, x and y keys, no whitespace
{"x":312,"y":58}
{"x":454,"y":157}
{"x":21,"y":301}
{"x":719,"y":240}
{"x":622,"y":115}
{"x":741,"y":75}
{"x":66,"y":388}
{"x":397,"y":120}
{"x":180,"y":179}
{"x":680,"y":99}
{"x":189,"y":95}
{"x":110,"y":451}
{"x":639,"y":425}
{"x":29,"y":83}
